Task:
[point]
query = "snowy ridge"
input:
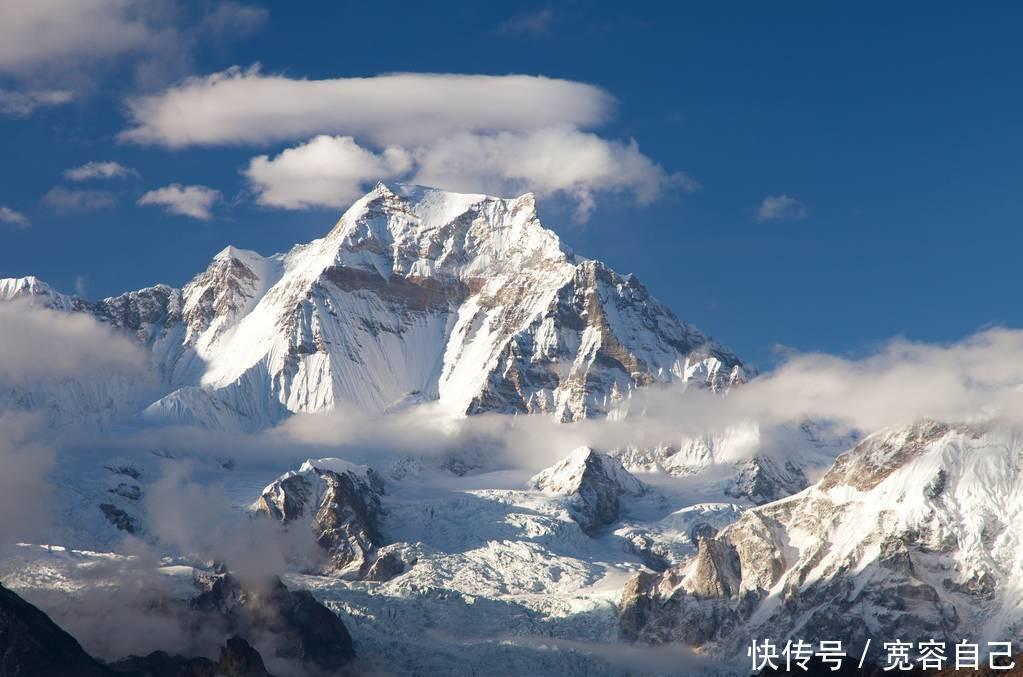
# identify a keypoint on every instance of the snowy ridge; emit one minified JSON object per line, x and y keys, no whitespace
{"x":914,"y":534}
{"x":416,"y":294}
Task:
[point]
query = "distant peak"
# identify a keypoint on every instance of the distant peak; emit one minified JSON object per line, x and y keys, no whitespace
{"x":227,"y":252}
{"x":234,"y":253}
{"x":381,"y":188}
{"x":10,"y":286}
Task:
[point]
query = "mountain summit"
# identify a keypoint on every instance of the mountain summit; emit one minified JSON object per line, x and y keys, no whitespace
{"x":415,"y":294}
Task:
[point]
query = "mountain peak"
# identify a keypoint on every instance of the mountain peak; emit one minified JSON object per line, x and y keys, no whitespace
{"x":415,"y":294}
{"x":232,"y":252}
{"x":418,"y":231}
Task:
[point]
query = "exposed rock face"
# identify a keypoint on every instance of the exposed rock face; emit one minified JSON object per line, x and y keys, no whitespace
{"x":293,"y":622}
{"x":415,"y":295}
{"x":763,"y":479}
{"x":339,"y":501}
{"x":237,"y":659}
{"x":31,"y":645}
{"x":594,"y":484}
{"x":119,"y":518}
{"x":914,"y":534}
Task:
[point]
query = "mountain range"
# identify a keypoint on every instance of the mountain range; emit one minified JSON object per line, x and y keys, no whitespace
{"x":595,"y":564}
{"x":415,"y":295}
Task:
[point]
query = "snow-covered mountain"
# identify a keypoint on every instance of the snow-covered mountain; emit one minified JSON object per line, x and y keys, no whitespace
{"x":415,"y":295}
{"x":339,"y":502}
{"x":915,"y":534}
{"x":594,"y":483}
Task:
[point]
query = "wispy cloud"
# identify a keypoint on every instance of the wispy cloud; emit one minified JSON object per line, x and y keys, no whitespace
{"x":536,"y":22}
{"x":99,"y":170}
{"x":66,"y":200}
{"x":193,"y":201}
{"x":24,"y":103}
{"x":14,"y":218}
{"x":780,"y":208}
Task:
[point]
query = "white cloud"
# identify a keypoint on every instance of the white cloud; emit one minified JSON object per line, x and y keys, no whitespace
{"x":22,"y":104}
{"x":65,"y":200}
{"x":248,"y":107}
{"x":904,"y":381}
{"x":16,"y":219}
{"x":976,"y":379}
{"x":478,"y":133}
{"x":194,"y":201}
{"x":327,"y":171}
{"x":548,"y":161}
{"x":780,"y":208}
{"x":99,"y":170}
{"x":45,"y":344}
{"x":332,"y":171}
{"x":42,"y":32}
{"x":25,"y":492}
{"x":66,"y":40}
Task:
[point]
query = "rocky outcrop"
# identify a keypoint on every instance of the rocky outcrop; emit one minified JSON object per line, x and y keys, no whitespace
{"x":912,"y":534}
{"x":695,"y":603}
{"x":594,"y":485}
{"x":339,"y":502}
{"x":293,"y":623}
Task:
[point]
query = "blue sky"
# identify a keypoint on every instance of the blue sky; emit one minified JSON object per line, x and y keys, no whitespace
{"x":894,"y":132}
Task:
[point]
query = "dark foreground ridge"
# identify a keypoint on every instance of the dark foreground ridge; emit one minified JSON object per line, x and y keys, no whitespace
{"x":32,"y":645}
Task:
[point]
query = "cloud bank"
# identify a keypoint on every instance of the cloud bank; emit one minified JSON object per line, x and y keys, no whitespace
{"x":43,"y":344}
{"x":978,"y":379}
